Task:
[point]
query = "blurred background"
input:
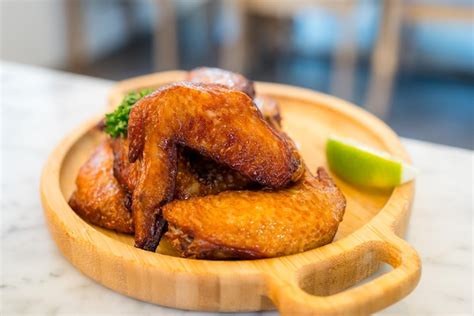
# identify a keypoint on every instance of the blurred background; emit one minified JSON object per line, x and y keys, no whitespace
{"x":409,"y":62}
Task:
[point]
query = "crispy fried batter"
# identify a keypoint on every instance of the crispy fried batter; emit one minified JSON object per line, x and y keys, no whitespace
{"x":215,"y":121}
{"x":226,"y":78}
{"x":99,"y":199}
{"x":257,"y":224}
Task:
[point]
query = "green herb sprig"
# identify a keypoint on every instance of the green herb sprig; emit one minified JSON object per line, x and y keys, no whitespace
{"x":116,"y":123}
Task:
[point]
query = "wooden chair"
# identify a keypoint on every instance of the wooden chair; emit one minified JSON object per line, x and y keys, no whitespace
{"x":165,"y":47}
{"x":234,"y":55}
{"x":385,"y":58}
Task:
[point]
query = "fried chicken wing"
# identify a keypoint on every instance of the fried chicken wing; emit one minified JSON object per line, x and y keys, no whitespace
{"x":257,"y":224}
{"x":99,"y":199}
{"x":196,"y":175}
{"x":226,"y":78}
{"x":125,"y":172}
{"x":268,"y":106}
{"x":194,"y":141}
{"x":217,"y":122}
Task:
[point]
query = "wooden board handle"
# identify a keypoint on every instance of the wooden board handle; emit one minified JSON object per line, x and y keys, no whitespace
{"x":290,"y":299}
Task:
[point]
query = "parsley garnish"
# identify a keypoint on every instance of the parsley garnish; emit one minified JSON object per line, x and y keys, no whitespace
{"x":116,"y":123}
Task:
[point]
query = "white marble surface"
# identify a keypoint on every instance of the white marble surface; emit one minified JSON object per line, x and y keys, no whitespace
{"x":39,"y":106}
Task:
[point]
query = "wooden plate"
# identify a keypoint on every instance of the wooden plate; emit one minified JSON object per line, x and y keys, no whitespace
{"x":313,"y":282}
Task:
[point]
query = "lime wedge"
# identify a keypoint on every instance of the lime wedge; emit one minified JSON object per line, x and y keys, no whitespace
{"x":360,"y":165}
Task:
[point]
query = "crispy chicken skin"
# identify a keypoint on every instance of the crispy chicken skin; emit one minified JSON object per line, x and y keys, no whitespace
{"x":257,"y":224}
{"x":226,"y":78}
{"x":102,"y":200}
{"x":196,"y":175}
{"x":200,"y":176}
{"x":210,"y":140}
{"x":125,"y":172}
{"x":217,"y":122}
{"x":266,"y":105}
{"x":99,"y":199}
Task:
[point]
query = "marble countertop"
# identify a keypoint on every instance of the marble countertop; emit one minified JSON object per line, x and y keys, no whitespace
{"x":39,"y":106}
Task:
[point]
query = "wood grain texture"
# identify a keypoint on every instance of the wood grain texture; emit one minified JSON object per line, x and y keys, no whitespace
{"x":310,"y":283}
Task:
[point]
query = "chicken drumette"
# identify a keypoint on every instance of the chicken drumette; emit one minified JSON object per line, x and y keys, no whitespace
{"x":99,"y":198}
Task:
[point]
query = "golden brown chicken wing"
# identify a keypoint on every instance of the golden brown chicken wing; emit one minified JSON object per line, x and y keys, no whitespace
{"x":99,"y":198}
{"x":223,"y":77}
{"x":125,"y":172}
{"x":196,"y":175}
{"x":217,"y":122}
{"x":257,"y":224}
{"x":268,"y":106}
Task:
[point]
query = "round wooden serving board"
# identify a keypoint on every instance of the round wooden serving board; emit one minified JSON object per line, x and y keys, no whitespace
{"x":315,"y":282}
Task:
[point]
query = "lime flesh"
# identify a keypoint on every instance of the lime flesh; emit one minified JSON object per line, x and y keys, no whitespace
{"x":367,"y":167}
